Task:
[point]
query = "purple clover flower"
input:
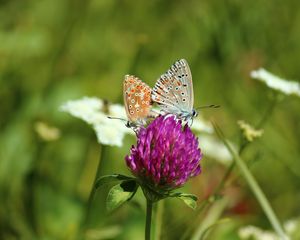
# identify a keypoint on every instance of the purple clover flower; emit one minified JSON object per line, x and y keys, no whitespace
{"x":166,"y":154}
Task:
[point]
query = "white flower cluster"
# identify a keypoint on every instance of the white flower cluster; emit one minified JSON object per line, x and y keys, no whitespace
{"x":215,"y":149}
{"x":277,"y":83}
{"x":255,"y":233}
{"x":95,"y":112}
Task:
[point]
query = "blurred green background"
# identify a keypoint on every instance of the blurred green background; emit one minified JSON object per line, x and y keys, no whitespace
{"x":53,"y":51}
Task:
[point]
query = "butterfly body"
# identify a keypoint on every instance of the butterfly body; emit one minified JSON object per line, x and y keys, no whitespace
{"x":173,"y":92}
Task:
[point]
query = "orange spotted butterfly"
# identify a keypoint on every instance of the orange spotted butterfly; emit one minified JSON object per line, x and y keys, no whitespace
{"x":137,"y":100}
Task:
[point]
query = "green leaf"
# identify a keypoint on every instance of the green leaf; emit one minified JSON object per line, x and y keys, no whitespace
{"x":121,"y":193}
{"x":110,"y":178}
{"x":189,"y":199}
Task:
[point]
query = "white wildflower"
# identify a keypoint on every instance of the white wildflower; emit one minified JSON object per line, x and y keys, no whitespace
{"x":290,"y":226}
{"x":277,"y":83}
{"x":255,"y":233}
{"x":109,"y":134}
{"x":213,"y":148}
{"x":201,"y":125}
{"x":88,"y":109}
{"x":95,"y":112}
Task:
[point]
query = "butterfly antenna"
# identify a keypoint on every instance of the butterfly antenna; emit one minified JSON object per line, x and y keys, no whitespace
{"x":122,"y":119}
{"x":208,"y":106}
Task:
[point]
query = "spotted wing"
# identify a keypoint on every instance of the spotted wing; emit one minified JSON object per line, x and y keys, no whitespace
{"x":173,"y":91}
{"x":137,"y":98}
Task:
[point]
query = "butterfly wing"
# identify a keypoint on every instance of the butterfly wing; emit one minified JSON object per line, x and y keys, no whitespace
{"x":137,"y":98}
{"x":173,"y":91}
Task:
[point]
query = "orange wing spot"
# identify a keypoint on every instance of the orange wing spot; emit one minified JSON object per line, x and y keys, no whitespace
{"x":132,"y":91}
{"x":178,"y":83}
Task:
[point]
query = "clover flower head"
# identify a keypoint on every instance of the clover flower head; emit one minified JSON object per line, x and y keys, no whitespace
{"x":166,"y":154}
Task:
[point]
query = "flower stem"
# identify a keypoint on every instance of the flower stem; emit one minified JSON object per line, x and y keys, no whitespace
{"x":148,"y":220}
{"x":257,"y":191}
{"x":244,"y":143}
{"x":93,"y":190}
{"x":158,"y":219}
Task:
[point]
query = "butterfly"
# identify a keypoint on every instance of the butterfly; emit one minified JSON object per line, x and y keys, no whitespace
{"x":173,"y":92}
{"x":137,"y":101}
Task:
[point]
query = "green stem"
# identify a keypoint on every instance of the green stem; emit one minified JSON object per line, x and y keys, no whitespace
{"x":148,"y":220}
{"x":159,"y":219}
{"x":259,"y":194}
{"x":244,"y":144}
{"x":269,"y":111}
{"x":93,"y":190}
{"x":229,"y":170}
